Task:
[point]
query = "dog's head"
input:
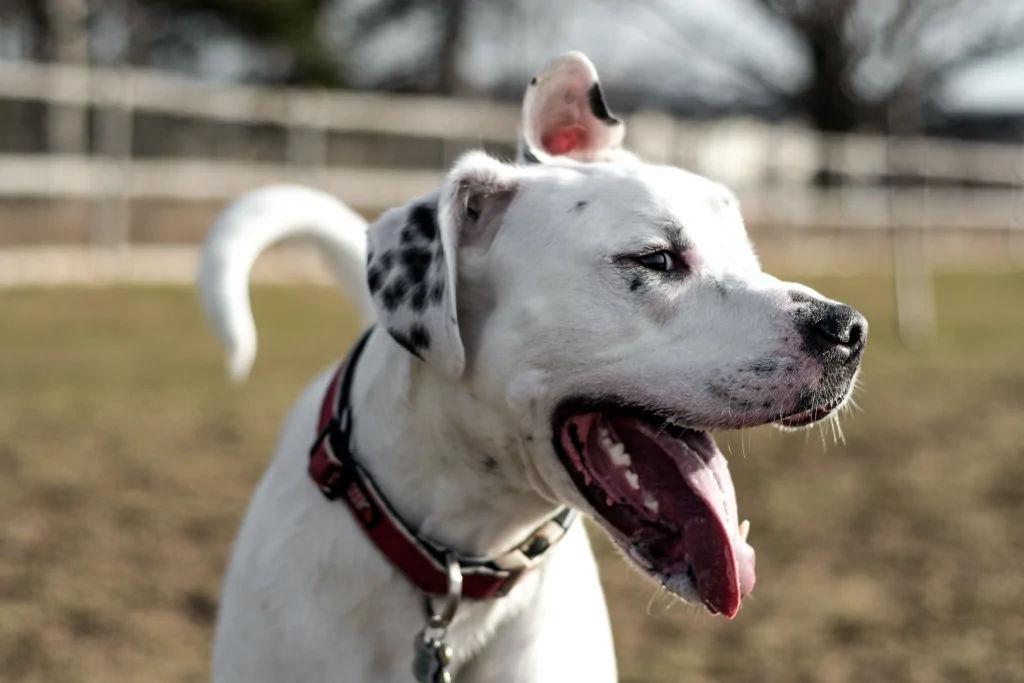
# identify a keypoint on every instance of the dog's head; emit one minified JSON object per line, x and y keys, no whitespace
{"x":614,"y":313}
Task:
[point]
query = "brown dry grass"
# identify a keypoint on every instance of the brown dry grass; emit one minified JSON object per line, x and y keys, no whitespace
{"x":126,"y":461}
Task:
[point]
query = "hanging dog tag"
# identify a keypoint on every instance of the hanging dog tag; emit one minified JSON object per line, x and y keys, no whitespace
{"x":431,"y":657}
{"x":431,"y":660}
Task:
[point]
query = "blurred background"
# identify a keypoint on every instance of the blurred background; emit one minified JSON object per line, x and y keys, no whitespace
{"x":878,"y":151}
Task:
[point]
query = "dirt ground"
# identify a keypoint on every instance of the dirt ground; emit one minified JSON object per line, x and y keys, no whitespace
{"x":126,"y":460}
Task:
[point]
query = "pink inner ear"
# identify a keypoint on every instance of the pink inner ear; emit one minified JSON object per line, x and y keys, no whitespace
{"x":564,"y":140}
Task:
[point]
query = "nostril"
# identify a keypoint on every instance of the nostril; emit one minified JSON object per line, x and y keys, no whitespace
{"x":830,"y":333}
{"x":856,"y":335}
{"x":837,"y":326}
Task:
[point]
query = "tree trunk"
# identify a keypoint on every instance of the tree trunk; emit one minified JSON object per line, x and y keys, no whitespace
{"x":829,"y":100}
{"x":453,"y":29}
{"x":63,"y":38}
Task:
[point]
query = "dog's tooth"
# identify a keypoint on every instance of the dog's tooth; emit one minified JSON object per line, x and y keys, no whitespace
{"x":744,"y":529}
{"x":650,"y":503}
{"x":633,"y":478}
{"x":619,"y":455}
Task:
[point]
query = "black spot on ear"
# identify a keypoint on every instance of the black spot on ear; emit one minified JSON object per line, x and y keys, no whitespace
{"x":528,"y":155}
{"x":374,"y":278}
{"x":437,"y":292}
{"x":419,"y":337}
{"x":580,"y":205}
{"x":533,"y":81}
{"x":424,"y":217}
{"x":394,"y":294}
{"x":419,"y":298}
{"x":636,"y":283}
{"x":598,"y":106}
{"x":417,"y":263}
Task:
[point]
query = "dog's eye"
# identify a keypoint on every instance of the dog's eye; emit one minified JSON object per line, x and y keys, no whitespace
{"x":660,"y":260}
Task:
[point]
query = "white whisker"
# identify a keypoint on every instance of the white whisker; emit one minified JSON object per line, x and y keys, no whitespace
{"x":659,"y":593}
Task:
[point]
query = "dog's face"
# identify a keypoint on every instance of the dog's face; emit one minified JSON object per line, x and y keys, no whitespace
{"x":612,"y":313}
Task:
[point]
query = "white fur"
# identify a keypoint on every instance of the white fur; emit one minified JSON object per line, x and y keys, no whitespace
{"x":248,"y":227}
{"x":546,"y":307}
{"x":267,"y":216}
{"x":307,"y":598}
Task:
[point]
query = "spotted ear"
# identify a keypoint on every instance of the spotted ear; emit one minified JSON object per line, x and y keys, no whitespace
{"x":412,"y":257}
{"x":564,"y":114}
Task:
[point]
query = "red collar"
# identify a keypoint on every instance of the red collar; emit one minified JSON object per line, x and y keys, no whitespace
{"x":336,"y":472}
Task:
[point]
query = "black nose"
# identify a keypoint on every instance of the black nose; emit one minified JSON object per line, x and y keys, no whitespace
{"x":828,"y":326}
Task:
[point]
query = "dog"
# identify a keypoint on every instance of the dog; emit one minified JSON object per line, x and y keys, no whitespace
{"x":545,"y":336}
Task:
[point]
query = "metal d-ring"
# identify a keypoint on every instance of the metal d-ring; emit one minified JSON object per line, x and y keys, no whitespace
{"x":440,"y":620}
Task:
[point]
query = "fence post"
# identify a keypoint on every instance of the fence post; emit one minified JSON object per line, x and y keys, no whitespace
{"x":306,"y":143}
{"x":66,"y":124}
{"x":915,"y":308}
{"x":1015,"y":234}
{"x":114,"y":134}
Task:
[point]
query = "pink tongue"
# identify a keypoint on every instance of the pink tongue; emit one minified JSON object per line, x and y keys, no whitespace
{"x":704,"y":502}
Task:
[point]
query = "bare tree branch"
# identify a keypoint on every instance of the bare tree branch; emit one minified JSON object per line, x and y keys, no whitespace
{"x":995,"y":41}
{"x":705,"y":44}
{"x":384,"y":12}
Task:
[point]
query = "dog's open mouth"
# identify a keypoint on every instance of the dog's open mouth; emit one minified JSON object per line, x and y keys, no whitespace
{"x":665,"y":495}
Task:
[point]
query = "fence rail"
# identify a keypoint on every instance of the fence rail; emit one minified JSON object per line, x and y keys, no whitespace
{"x":150,"y":91}
{"x":901,"y":188}
{"x":92,"y":178}
{"x":739,"y":152}
{"x":55,"y":177}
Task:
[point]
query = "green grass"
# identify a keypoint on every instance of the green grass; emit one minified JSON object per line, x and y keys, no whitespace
{"x":126,"y":461}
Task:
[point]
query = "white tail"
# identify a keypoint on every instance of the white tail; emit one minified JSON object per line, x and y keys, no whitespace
{"x":249,"y":226}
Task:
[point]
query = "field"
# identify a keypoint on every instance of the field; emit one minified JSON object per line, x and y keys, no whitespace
{"x":126,"y":460}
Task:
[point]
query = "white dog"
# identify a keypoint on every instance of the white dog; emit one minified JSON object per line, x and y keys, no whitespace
{"x":548,"y":336}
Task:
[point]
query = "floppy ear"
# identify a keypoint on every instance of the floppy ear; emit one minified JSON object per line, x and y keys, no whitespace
{"x":564,"y":114}
{"x":412,"y":257}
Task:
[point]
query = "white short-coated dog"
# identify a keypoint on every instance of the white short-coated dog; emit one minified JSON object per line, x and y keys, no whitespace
{"x":557,"y":334}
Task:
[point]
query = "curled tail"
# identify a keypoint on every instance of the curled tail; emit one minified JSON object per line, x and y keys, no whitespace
{"x":248,"y":227}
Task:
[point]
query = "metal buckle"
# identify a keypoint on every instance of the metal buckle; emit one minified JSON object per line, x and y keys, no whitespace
{"x":441,"y":620}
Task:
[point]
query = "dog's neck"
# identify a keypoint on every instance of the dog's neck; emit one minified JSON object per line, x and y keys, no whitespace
{"x":450,"y":466}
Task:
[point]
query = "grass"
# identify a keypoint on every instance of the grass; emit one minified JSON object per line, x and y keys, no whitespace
{"x":126,"y":461}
